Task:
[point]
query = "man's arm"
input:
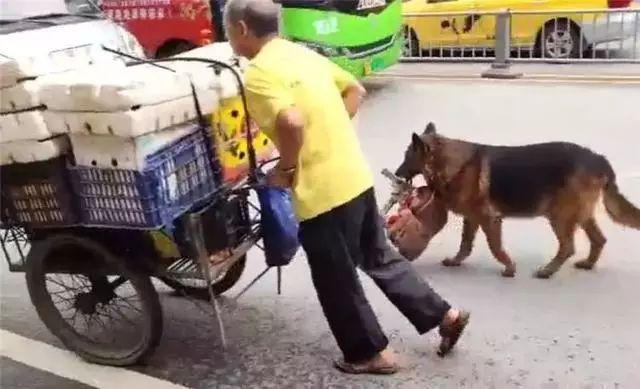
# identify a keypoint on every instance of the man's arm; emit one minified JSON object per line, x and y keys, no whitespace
{"x":289,"y":125}
{"x":353,"y":93}
{"x":272,"y":107}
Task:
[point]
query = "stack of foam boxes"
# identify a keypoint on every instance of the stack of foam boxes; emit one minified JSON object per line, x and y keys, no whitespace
{"x":31,"y":159}
{"x":141,"y":155}
{"x":23,"y":132}
{"x":128,"y":138}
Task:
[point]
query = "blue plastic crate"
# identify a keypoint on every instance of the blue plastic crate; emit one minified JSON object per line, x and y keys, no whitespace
{"x":175,"y":179}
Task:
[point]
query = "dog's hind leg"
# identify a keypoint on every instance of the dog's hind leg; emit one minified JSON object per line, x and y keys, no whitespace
{"x":469,"y":231}
{"x":597,"y":240}
{"x":565,"y":230}
{"x":493,"y":230}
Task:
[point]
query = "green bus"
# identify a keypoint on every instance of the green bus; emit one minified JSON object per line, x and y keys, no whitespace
{"x":361,"y":36}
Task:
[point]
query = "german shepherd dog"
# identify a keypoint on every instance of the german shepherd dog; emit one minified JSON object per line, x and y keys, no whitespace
{"x":560,"y":181}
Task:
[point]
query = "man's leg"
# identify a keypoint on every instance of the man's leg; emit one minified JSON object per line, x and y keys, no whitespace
{"x":396,"y":277}
{"x":351,"y":319}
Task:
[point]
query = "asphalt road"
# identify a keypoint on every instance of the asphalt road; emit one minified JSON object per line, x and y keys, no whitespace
{"x":577,"y":330}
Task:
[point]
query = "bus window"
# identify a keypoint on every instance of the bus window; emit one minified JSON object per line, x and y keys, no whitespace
{"x":362,"y":36}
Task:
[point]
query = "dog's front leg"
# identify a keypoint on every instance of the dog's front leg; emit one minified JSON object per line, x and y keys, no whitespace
{"x":469,"y":231}
{"x":565,"y":230}
{"x":492,"y":228}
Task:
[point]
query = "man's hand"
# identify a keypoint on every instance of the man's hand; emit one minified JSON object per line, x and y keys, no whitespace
{"x":353,"y":96}
{"x":279,"y":178}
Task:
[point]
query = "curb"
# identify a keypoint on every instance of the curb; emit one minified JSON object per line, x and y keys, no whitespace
{"x":599,"y":78}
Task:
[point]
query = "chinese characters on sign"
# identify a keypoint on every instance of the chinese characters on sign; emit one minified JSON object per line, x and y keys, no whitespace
{"x":368,"y":4}
{"x":326,"y":26}
{"x":134,"y":3}
{"x":136,"y":14}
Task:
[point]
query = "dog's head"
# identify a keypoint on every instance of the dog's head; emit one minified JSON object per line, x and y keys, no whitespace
{"x":418,"y":156}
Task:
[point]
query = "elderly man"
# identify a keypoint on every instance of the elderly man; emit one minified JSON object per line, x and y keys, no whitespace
{"x":305,"y":103}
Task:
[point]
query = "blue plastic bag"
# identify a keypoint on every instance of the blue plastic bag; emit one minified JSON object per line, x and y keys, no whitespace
{"x":279,"y":225}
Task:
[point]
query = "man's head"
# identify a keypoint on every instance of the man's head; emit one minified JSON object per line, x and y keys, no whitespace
{"x":249,"y":24}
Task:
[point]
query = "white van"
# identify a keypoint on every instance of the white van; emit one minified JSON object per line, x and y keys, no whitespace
{"x":50,"y":36}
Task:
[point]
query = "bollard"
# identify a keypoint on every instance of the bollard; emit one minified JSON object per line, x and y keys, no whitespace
{"x":501,"y":67}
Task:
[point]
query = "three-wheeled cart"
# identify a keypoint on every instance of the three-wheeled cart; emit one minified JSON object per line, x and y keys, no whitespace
{"x":91,"y":240}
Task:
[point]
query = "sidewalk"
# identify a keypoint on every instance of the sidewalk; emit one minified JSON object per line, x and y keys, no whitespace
{"x":601,"y":72}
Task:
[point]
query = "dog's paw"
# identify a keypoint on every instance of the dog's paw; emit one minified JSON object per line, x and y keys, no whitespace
{"x":451,"y":262}
{"x":543,"y":273}
{"x":509,"y":272}
{"x":584,"y":265}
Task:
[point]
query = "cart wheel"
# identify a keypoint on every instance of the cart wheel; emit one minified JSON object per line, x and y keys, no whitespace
{"x":108,"y":314}
{"x":197,"y":287}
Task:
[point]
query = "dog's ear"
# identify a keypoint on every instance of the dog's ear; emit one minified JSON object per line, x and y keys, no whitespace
{"x":431,"y":128}
{"x":417,"y":144}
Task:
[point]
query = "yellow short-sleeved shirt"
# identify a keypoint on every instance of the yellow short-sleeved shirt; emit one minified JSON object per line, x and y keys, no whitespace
{"x":331,"y":168}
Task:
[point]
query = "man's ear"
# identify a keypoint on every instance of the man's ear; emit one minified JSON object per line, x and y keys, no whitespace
{"x":431,"y":129}
{"x":243,"y":29}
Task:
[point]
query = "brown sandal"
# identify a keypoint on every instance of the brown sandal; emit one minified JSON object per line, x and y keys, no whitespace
{"x":452,"y":333}
{"x":376,"y":365}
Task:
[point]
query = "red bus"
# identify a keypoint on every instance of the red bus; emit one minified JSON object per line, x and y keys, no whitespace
{"x":168,"y":27}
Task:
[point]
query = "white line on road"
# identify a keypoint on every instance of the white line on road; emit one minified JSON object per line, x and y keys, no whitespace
{"x":65,"y":364}
{"x":523,"y":80}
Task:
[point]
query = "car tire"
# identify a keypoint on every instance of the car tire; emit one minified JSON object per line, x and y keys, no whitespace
{"x":411,"y":46}
{"x":170,"y":49}
{"x":559,"y":39}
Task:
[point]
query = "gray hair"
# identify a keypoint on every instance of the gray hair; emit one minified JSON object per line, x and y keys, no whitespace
{"x":261,"y":16}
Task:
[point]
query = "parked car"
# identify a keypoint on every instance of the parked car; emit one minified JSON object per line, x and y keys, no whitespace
{"x":554,"y":32}
{"x":58,"y":35}
{"x":168,"y":27}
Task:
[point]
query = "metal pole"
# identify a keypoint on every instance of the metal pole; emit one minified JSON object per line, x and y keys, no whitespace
{"x":279,"y":280}
{"x":196,"y":237}
{"x":246,"y":288}
{"x":501,"y":66}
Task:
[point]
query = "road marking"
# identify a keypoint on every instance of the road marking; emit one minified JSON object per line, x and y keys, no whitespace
{"x":550,"y":80}
{"x":598,"y":77}
{"x":66,"y":364}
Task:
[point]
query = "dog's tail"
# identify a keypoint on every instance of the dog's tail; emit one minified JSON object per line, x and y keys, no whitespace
{"x":621,"y":210}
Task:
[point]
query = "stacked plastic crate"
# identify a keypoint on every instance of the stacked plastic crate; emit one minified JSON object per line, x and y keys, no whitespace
{"x":35,"y":188}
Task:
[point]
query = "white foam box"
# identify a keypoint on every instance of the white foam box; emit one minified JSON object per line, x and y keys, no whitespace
{"x":10,"y":72}
{"x":26,"y":151}
{"x":28,"y":125}
{"x":28,"y":63}
{"x":114,"y":152}
{"x":133,"y":122}
{"x":220,"y":51}
{"x":225,"y":83}
{"x":20,"y":96}
{"x":114,"y":87}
